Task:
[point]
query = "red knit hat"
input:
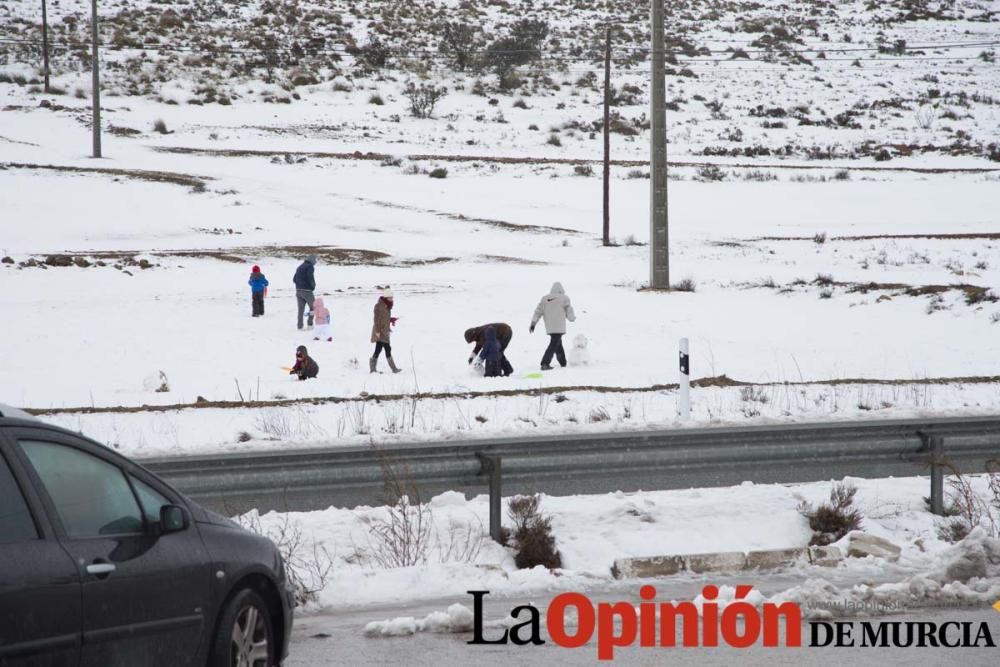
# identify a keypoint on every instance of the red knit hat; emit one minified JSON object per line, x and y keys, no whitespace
{"x":256,"y":269}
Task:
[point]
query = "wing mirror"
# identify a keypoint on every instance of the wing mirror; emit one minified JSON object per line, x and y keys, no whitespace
{"x":173,"y":519}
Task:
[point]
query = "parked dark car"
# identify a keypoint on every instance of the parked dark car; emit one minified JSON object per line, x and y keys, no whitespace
{"x":103,"y":564}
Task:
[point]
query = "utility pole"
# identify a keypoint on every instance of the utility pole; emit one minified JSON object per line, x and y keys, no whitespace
{"x":95,"y":95}
{"x":45,"y":45}
{"x":659,"y":273}
{"x":607,"y":137}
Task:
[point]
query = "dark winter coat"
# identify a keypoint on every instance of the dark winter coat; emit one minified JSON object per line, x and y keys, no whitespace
{"x":305,"y":367}
{"x":257,"y":282}
{"x":305,"y":276}
{"x":382,"y":321}
{"x":478,"y":334}
{"x":492,"y":351}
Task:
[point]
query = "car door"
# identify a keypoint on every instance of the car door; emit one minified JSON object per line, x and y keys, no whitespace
{"x":39,"y":584}
{"x":145,"y":597}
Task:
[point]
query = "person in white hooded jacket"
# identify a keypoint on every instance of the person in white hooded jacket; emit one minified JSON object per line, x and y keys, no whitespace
{"x":555,"y":309}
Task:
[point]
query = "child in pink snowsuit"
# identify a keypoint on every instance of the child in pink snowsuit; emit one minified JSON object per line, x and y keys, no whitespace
{"x":322,"y":318}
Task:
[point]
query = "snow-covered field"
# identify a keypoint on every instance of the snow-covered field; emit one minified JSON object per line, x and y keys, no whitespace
{"x":852,"y":269}
{"x":592,"y":531}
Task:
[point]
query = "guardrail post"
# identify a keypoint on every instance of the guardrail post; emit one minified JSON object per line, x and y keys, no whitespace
{"x":937,"y":474}
{"x":490,"y":465}
{"x":934,"y":446}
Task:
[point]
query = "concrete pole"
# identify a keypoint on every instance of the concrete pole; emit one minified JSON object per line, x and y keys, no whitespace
{"x":95,"y":93}
{"x":45,"y":45}
{"x":684,"y":383}
{"x":659,"y":271}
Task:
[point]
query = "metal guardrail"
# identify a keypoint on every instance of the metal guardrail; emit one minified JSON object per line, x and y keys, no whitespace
{"x":310,"y":479}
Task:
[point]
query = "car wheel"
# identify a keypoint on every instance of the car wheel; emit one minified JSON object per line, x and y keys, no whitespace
{"x":244,"y":637}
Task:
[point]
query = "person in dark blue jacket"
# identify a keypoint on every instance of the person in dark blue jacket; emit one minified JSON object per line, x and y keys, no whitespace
{"x":492,"y":354}
{"x":305,"y":283}
{"x":258,"y":287}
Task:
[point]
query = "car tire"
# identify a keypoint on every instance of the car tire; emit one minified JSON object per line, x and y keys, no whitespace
{"x":244,"y":636}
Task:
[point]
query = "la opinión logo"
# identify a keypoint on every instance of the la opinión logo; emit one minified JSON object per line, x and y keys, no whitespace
{"x":739,"y":624}
{"x":618,"y":624}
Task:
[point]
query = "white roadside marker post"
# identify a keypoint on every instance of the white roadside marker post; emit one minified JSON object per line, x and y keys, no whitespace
{"x":684,"y":388}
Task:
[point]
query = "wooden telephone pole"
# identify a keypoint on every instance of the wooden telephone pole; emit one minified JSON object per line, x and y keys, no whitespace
{"x":607,"y":137}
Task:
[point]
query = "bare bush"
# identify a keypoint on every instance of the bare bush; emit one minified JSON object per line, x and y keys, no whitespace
{"x":598,"y":415}
{"x":969,"y":508}
{"x":402,"y":537}
{"x":423,"y":98}
{"x":532,"y":534}
{"x":834,"y":519}
{"x":686,"y":285}
{"x":521,"y":46}
{"x":308,"y":564}
{"x":459,"y":41}
{"x":164,"y":384}
{"x":926,"y":115}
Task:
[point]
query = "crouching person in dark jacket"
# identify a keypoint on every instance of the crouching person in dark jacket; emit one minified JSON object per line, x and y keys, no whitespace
{"x":305,"y":366}
{"x":492,"y":354}
{"x":503,"y":334}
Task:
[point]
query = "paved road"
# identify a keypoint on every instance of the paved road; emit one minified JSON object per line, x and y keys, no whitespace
{"x":335,"y":638}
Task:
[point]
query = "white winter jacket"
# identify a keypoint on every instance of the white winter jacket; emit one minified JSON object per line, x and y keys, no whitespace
{"x":556,"y":309}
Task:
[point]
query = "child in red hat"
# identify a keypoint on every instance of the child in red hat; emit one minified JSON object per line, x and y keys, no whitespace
{"x":258,"y":290}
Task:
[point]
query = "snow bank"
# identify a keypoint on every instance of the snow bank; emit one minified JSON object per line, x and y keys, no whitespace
{"x":458,"y":618}
{"x":965,"y":574}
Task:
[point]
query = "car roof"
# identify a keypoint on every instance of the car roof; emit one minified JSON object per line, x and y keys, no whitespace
{"x":9,"y":411}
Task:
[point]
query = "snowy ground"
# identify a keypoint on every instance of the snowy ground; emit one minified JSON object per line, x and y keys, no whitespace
{"x":592,"y":531}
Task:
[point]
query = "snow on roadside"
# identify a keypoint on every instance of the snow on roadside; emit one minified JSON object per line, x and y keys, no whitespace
{"x":965,"y":574}
{"x":592,"y":531}
{"x":354,"y":423}
{"x":458,"y":618}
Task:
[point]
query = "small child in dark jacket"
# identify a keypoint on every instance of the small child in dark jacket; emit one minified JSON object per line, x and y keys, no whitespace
{"x":305,"y":366}
{"x":258,"y":287}
{"x":491,"y":354}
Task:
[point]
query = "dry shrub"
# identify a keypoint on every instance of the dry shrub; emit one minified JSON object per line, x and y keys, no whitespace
{"x":402,"y":538}
{"x":307,"y":564}
{"x":834,"y":519}
{"x":532,"y":534}
{"x":969,"y":509}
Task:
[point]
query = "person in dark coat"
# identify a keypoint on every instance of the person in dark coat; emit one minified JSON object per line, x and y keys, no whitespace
{"x":258,"y":286}
{"x":305,"y":284}
{"x":492,"y":354}
{"x":504,"y":334}
{"x":305,"y":366}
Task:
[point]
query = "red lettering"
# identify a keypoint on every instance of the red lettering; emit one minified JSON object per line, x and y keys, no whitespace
{"x":647,"y":617}
{"x":710,"y":616}
{"x":555,"y":620}
{"x":731,"y":629}
{"x":668,"y":623}
{"x":793,"y":623}
{"x":607,"y":640}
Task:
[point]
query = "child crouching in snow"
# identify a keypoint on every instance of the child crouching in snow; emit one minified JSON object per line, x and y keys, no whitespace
{"x":305,"y":366}
{"x":322,"y":318}
{"x":492,"y":354}
{"x":258,"y":289}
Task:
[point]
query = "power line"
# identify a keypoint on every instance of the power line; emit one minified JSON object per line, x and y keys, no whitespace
{"x":577,"y":52}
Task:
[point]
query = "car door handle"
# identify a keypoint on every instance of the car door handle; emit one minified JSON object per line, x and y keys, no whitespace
{"x":100,"y":569}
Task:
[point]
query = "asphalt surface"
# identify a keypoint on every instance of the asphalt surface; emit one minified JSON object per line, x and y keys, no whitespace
{"x":336,"y":638}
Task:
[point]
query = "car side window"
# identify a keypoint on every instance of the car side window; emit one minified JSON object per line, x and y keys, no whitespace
{"x":92,"y":497}
{"x":150,"y":499}
{"x":16,"y":524}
